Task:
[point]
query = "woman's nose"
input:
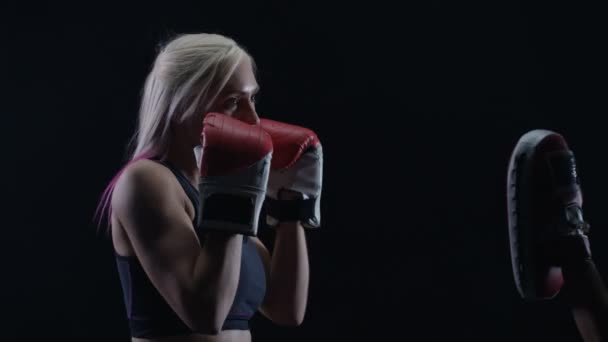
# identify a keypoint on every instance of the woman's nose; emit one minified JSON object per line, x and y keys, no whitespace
{"x":250,"y":115}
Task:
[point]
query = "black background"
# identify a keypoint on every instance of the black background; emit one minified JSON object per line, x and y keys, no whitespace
{"x":418,"y":106}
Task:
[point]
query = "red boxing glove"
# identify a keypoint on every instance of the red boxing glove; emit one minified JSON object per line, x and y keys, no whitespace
{"x":234,"y":168}
{"x":297,"y":166}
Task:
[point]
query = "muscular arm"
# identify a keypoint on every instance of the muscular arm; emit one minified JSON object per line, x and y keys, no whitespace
{"x":198,"y":283}
{"x":287,"y":274}
{"x":588,"y":297}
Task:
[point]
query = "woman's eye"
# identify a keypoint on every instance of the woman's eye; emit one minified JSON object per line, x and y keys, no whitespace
{"x":231,"y":103}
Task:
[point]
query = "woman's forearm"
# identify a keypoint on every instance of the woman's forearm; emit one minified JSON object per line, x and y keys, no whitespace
{"x":289,"y":275}
{"x":588,"y":297}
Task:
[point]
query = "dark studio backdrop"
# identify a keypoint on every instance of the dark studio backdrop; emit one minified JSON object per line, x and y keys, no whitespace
{"x":418,"y":108}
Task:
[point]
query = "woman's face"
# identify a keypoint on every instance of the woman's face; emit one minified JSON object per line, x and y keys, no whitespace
{"x":237,"y":99}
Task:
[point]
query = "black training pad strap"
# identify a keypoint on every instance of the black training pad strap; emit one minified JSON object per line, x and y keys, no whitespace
{"x":563,"y":169}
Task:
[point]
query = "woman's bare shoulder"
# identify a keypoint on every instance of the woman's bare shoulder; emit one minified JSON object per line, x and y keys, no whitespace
{"x":143,"y":181}
{"x":144,"y":172}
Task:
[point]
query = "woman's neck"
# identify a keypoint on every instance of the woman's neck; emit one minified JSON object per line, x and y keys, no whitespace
{"x":183,"y":158}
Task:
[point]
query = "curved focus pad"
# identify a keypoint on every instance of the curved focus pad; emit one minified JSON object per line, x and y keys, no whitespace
{"x":297,"y":167}
{"x":545,"y":219}
{"x":234,"y":168}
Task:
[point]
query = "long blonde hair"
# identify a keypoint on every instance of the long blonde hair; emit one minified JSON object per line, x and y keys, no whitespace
{"x":187,"y":75}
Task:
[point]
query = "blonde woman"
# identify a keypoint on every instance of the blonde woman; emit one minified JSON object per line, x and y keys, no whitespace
{"x":183,"y":213}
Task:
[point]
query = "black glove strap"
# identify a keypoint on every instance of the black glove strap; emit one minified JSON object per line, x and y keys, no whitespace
{"x":228,"y":213}
{"x":290,"y":210}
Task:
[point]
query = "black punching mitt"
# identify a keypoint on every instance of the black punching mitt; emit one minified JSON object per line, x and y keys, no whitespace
{"x":545,"y":217}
